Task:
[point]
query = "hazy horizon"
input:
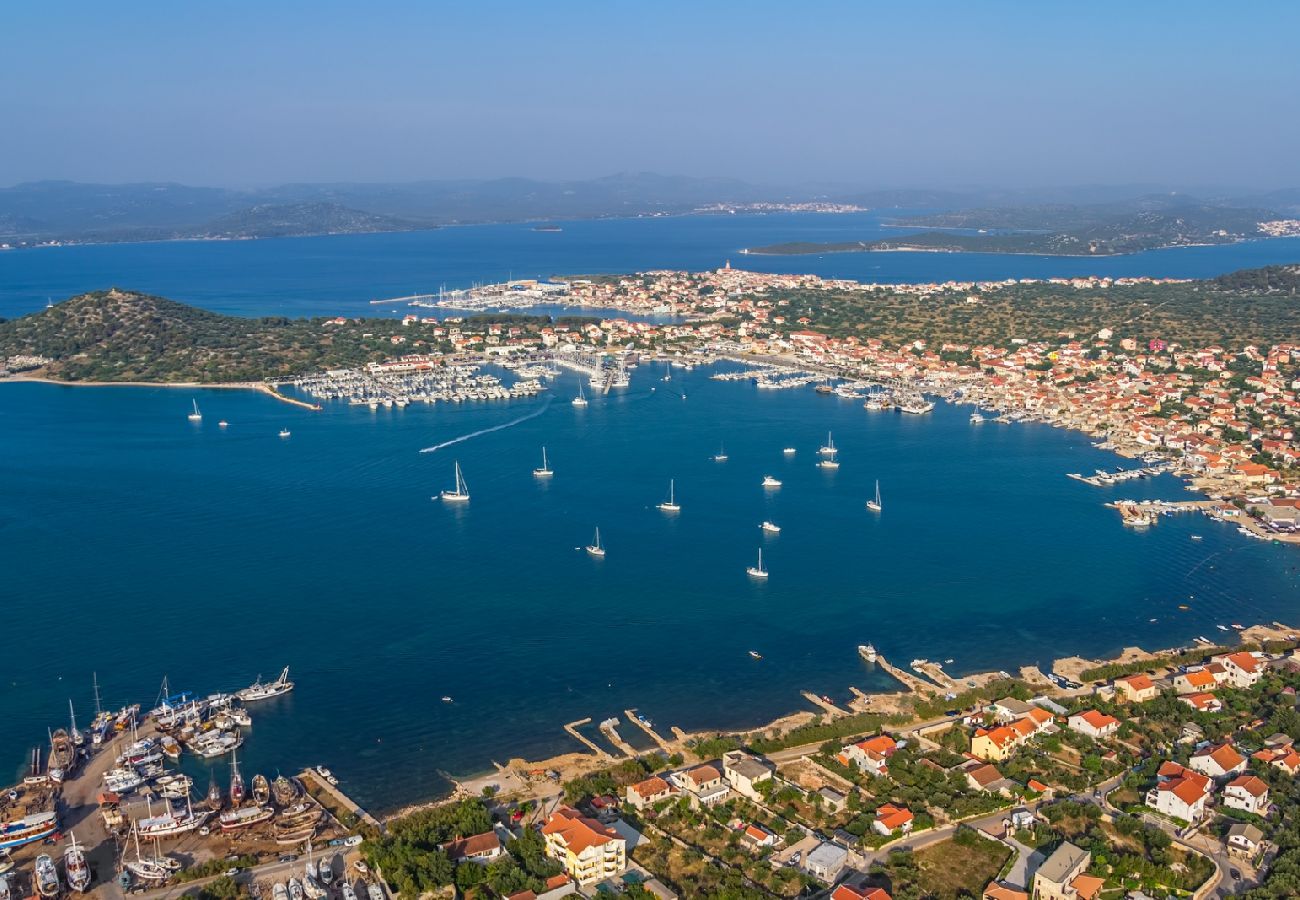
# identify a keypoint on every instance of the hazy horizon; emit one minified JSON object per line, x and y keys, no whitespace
{"x":948,"y":96}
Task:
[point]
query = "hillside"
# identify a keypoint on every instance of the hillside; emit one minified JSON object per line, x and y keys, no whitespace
{"x":299,"y":219}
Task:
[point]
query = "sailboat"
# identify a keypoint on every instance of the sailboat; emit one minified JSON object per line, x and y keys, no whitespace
{"x":757,"y":571}
{"x":828,"y":448}
{"x":142,"y":868}
{"x":195,"y":416}
{"x":721,"y":455}
{"x":545,"y":470}
{"x":236,"y":781}
{"x":670,"y":505}
{"x":874,"y":504}
{"x":461,"y":492}
{"x":595,"y":548}
{"x":828,"y":460}
{"x":581,"y":399}
{"x":75,"y":868}
{"x":284,"y":432}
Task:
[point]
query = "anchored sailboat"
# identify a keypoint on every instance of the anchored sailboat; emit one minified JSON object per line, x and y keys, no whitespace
{"x":874,"y":504}
{"x":670,"y":505}
{"x":545,"y":470}
{"x":595,"y":548}
{"x":461,"y":492}
{"x":195,"y":416}
{"x":828,"y":448}
{"x":581,"y":399}
{"x":757,"y":571}
{"x":721,"y":455}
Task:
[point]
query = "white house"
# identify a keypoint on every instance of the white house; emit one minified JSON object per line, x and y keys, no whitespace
{"x":1247,"y":793}
{"x":1180,"y":793}
{"x":1241,"y":669}
{"x":744,"y":773}
{"x":1217,"y":762}
{"x":1094,"y":724}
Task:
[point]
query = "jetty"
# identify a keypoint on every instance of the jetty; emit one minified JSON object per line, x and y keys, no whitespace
{"x":638,"y":721}
{"x":609,"y":728}
{"x":339,"y":800}
{"x":934,"y":671}
{"x":572,"y":729}
{"x":912,"y":682}
{"x":272,"y":389}
{"x":831,"y":710}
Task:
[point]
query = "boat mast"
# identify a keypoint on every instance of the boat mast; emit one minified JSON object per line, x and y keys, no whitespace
{"x":94,"y":676}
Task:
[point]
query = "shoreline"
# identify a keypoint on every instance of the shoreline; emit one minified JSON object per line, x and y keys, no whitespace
{"x":263,"y":387}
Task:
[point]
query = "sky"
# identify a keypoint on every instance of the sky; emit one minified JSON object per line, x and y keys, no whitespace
{"x":864,"y":93}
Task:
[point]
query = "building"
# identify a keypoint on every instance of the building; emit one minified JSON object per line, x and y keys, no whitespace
{"x":1136,"y":688}
{"x":1179,"y":792}
{"x":1194,"y":682}
{"x":649,"y":792}
{"x":1217,"y":762}
{"x":826,"y":861}
{"x":757,"y":836}
{"x":870,"y":755}
{"x":1203,"y":702}
{"x":891,"y":819}
{"x":987,"y":778}
{"x":1241,"y":669}
{"x":704,"y":785}
{"x":1247,"y":793}
{"x":998,"y":743}
{"x":1244,"y":839}
{"x":1284,"y":757}
{"x":1094,"y":724}
{"x":588,"y":850}
{"x":848,"y":892}
{"x":996,"y":891}
{"x":479,"y":848}
{"x":744,"y":773}
{"x":1056,"y":878}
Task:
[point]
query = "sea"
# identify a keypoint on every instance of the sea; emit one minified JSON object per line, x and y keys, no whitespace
{"x":135,"y":544}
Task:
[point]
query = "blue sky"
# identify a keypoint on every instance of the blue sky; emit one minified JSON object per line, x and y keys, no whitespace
{"x":926,"y":93}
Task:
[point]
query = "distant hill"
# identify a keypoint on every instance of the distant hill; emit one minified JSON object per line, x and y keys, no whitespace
{"x":296,"y":219}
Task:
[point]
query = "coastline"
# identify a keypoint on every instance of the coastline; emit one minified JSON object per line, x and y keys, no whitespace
{"x":264,"y":387}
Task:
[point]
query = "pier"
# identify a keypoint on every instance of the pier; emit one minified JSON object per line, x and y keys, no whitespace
{"x":831,"y":710}
{"x":340,"y":800}
{"x":272,"y":389}
{"x":935,"y":673}
{"x":609,"y":728}
{"x":912,"y":682}
{"x":639,"y":722}
{"x":572,"y":729}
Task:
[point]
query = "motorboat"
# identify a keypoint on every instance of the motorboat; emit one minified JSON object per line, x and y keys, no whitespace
{"x":770,"y":527}
{"x":284,"y":432}
{"x":46,"y":876}
{"x":265,"y":691}
{"x":770,"y":482}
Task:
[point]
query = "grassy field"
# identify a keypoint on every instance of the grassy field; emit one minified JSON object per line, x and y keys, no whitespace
{"x":950,"y":869}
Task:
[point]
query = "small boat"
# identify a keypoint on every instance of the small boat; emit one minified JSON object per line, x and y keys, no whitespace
{"x":279,"y":891}
{"x":325,"y":871}
{"x":770,"y":482}
{"x":754,"y":654}
{"x":75,"y":868}
{"x":544,"y":470}
{"x":284,"y":432}
{"x":721,"y":455}
{"x":447,"y":699}
{"x":460,"y":494}
{"x":757,"y":571}
{"x":195,"y":416}
{"x":670,"y":505}
{"x":595,"y":548}
{"x":770,"y":527}
{"x":223,"y":424}
{"x":46,"y":876}
{"x":789,"y":451}
{"x":4,"y":886}
{"x":874,"y":504}
{"x":1196,"y":537}
{"x":828,"y":463}
{"x":349,"y":893}
{"x":828,"y":448}
{"x":295,"y":890}
{"x":976,"y":418}
{"x":259,"y":691}
{"x":581,"y":399}
{"x":374,"y":892}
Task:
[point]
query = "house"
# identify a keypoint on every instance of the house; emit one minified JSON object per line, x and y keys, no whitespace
{"x":996,"y":891}
{"x":1008,"y":709}
{"x":994,"y":744}
{"x":479,"y":848}
{"x":987,"y":778}
{"x":1136,"y":688}
{"x":891,"y":819}
{"x":744,"y":773}
{"x":1244,"y":838}
{"x":1179,"y":792}
{"x":1094,"y":724}
{"x":1194,"y":682}
{"x":1055,"y":878}
{"x":870,"y":755}
{"x":757,"y":836}
{"x":1217,"y":762}
{"x":849,"y":892}
{"x":1285,"y":758}
{"x":649,"y":792}
{"x":826,"y":861}
{"x":704,"y":785}
{"x":832,"y":800}
{"x":1241,"y":669}
{"x":1247,"y":793}
{"x":1203,"y":702}
{"x":557,"y":886}
{"x":588,"y":850}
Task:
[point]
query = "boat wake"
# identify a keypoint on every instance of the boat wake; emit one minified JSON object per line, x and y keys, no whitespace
{"x":482,"y":431}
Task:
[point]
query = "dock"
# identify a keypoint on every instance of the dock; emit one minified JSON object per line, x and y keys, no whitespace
{"x":831,"y":710}
{"x":912,"y":682}
{"x":340,"y":799}
{"x":572,"y":729}
{"x":935,"y":673}
{"x":636,"y":720}
{"x":609,"y":728}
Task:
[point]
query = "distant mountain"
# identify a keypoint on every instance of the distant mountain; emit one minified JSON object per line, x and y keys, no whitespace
{"x":297,"y":219}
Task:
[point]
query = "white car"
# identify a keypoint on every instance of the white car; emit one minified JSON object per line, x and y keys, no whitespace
{"x":353,"y":840}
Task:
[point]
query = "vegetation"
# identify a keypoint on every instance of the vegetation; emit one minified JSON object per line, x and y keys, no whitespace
{"x":951,"y":869}
{"x":817,"y":731}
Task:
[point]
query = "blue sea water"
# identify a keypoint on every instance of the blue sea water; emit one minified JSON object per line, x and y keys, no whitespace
{"x":134,"y":544}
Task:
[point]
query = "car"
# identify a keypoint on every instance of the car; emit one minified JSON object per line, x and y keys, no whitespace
{"x":353,"y":840}
{"x":288,"y":857}
{"x":231,"y":872}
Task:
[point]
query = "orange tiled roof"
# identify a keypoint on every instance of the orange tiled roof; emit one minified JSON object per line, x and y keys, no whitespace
{"x":577,"y":831}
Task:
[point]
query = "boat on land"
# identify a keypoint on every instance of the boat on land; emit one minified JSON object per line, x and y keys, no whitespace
{"x":374,"y":892}
{"x":35,"y":827}
{"x":721,"y":455}
{"x":265,"y":691}
{"x":236,"y":782}
{"x":595,"y":548}
{"x":874,"y":503}
{"x":245,"y":817}
{"x":460,"y":493}
{"x":295,"y":890}
{"x":261,"y":790}
{"x":195,"y":416}
{"x":770,"y":527}
{"x":581,"y":399}
{"x":146,"y":869}
{"x":284,"y":790}
{"x":279,"y":891}
{"x":670,"y":505}
{"x":757,"y":571}
{"x":349,"y":893}
{"x":770,"y":482}
{"x":544,"y":470}
{"x":46,"y":876}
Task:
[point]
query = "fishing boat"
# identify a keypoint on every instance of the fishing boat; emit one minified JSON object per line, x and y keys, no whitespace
{"x":284,"y":432}
{"x":581,"y":399}
{"x":543,"y":471}
{"x":770,"y":482}
{"x":215,"y":798}
{"x":170,"y":747}
{"x":259,"y":691}
{"x":245,"y":817}
{"x":284,"y":791}
{"x":63,"y":754}
{"x":721,"y":455}
{"x":770,"y":527}
{"x":46,"y":876}
{"x":754,"y":654}
{"x":236,"y":782}
{"x":37,"y":826}
{"x":670,"y":505}
{"x":595,"y":548}
{"x":460,"y":494}
{"x":757,"y":571}
{"x":874,"y":503}
{"x":261,"y":790}
{"x":195,"y":416}
{"x":828,"y":448}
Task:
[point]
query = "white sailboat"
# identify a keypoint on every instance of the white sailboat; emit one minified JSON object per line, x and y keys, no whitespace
{"x":721,"y":455}
{"x":195,"y":416}
{"x":670,"y":505}
{"x":581,"y":399}
{"x":544,"y":471}
{"x":828,"y":448}
{"x":461,"y":492}
{"x":874,"y":504}
{"x":757,"y":571}
{"x":828,"y":460}
{"x":595,"y":548}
